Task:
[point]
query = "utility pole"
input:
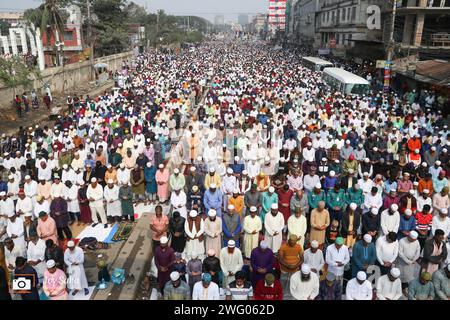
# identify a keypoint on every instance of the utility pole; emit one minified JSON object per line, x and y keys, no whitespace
{"x":91,"y":42}
{"x":390,"y":48}
{"x":157,"y":29}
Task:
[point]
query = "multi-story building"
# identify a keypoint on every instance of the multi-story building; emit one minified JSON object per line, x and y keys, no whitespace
{"x":258,"y":22}
{"x":71,"y":40}
{"x":304,"y":22}
{"x":13,"y":18}
{"x":422,"y":28}
{"x":342,"y":26}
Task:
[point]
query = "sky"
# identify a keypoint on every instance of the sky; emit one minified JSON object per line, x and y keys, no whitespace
{"x":205,"y":8}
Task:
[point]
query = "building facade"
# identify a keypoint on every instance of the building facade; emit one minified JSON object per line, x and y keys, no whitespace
{"x":303,"y":30}
{"x":342,"y":26}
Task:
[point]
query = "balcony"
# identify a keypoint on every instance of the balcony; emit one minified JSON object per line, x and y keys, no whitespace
{"x":436,"y":40}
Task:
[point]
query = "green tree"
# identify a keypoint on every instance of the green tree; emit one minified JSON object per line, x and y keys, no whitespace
{"x":15,"y":73}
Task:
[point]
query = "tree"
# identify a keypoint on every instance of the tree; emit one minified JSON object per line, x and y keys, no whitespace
{"x":4,"y":27}
{"x":14,"y":73}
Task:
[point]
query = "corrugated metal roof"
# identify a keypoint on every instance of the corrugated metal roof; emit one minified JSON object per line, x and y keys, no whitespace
{"x":438,"y":70}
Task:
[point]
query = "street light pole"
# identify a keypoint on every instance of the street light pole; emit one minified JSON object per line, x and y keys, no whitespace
{"x":390,"y":48}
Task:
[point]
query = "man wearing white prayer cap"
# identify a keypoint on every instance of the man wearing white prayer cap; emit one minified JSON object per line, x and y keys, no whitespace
{"x":231,"y":262}
{"x":213,"y":231}
{"x":252,"y":226}
{"x":359,"y":288}
{"x":274,"y":225}
{"x":176,"y":288}
{"x":390,"y":220}
{"x":113,"y":204}
{"x":74,"y":259}
{"x":314,"y":257}
{"x":54,"y":283}
{"x":95,"y":196}
{"x":389,"y":286}
{"x":194,"y":228}
{"x":408,"y":254}
{"x":363,"y":254}
{"x":304,"y":284}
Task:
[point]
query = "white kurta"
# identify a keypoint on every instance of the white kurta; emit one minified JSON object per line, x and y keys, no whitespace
{"x":30,"y":189}
{"x":304,"y":290}
{"x":298,"y":227}
{"x":389,"y":223}
{"x":194,"y":248}
{"x":36,"y":252}
{"x":24,"y":205}
{"x":39,"y":207}
{"x":272,"y":225}
{"x":77,"y":277}
{"x":213,"y":232}
{"x":71,"y":195}
{"x":387,"y":289}
{"x":230,"y":263}
{"x":17,"y":229}
{"x":408,"y":253}
{"x":314,"y":259}
{"x":113,"y":205}
{"x":251,"y":240}
{"x":356,"y":291}
{"x":177,"y":200}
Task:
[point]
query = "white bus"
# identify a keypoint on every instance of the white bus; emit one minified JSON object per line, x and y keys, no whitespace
{"x":316,"y":64}
{"x":345,"y":82}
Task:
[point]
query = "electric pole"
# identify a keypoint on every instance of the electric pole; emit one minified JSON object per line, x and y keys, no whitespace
{"x":390,"y":48}
{"x":91,"y":42}
{"x":157,"y":29}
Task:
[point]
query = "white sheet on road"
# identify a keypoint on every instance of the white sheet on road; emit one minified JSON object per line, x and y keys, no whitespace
{"x":99,"y":232}
{"x":81,"y":296}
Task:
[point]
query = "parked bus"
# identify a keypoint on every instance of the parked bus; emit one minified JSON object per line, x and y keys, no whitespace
{"x":345,"y":82}
{"x":316,"y":64}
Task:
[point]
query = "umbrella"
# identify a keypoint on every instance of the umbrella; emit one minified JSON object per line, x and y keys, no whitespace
{"x":100,"y":65}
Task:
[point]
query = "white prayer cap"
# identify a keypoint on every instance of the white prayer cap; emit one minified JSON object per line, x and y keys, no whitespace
{"x":28,"y":214}
{"x":417,"y":151}
{"x":274,"y":206}
{"x":367,"y":238}
{"x":161,"y":166}
{"x":94,"y":180}
{"x":176,"y":171}
{"x":318,"y":186}
{"x":332,"y":173}
{"x":324,"y":159}
{"x":424,"y":164}
{"x":366,"y":174}
{"x":438,"y":163}
{"x":350,"y":171}
{"x":347,"y":141}
{"x":433,"y":148}
{"x":27,"y":177}
{"x":164,"y":240}
{"x":444,"y":210}
{"x":122,"y":165}
{"x":408,"y":212}
{"x":211,"y":213}
{"x":193,"y":213}
{"x":395,"y":272}
{"x":314,"y":244}
{"x":11,"y":177}
{"x":361,"y":276}
{"x":253,"y":209}
{"x":231,"y":244}
{"x":230,"y":171}
{"x":263,"y":245}
{"x":236,"y":158}
{"x":407,"y":174}
{"x":212,"y":169}
{"x":444,"y":150}
{"x":199,"y":158}
{"x":213,"y":185}
{"x":51,"y":263}
{"x":374,"y":211}
{"x":309,"y":144}
{"x":413,"y":235}
{"x":394,"y":207}
{"x":271,"y":189}
{"x":11,"y":214}
{"x":353,"y":206}
{"x":306,"y":269}
{"x":110,"y":181}
{"x":426,"y":191}
{"x":148,"y":165}
{"x":65,"y":166}
{"x":2,"y":194}
{"x":415,"y":183}
{"x":174,"y":276}
{"x":230,"y":207}
{"x":70,"y":244}
{"x":244,"y":172}
{"x":375,"y":149}
{"x":193,"y":168}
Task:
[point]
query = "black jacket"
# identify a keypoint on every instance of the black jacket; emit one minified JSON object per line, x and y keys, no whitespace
{"x":346,"y":222}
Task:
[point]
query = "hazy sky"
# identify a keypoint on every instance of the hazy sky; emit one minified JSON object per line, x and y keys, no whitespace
{"x":204,"y":8}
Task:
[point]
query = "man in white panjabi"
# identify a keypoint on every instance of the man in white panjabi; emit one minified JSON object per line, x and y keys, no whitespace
{"x":213,"y":231}
{"x":389,"y":286}
{"x":274,"y":224}
{"x":94,"y":194}
{"x":408,"y":254}
{"x":74,"y":259}
{"x":359,"y":288}
{"x":15,"y":230}
{"x":252,"y":227}
{"x":111,"y":195}
{"x":194,"y":227}
{"x":178,"y":201}
{"x":313,"y":256}
{"x":297,"y":225}
{"x":304,"y":284}
{"x":230,"y":262}
{"x":36,"y":255}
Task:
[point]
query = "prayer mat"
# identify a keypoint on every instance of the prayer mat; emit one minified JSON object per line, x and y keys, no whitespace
{"x":123,"y":231}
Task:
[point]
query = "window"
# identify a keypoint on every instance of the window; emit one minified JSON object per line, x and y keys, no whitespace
{"x":68,"y":36}
{"x":323,"y":17}
{"x":332,"y":16}
{"x":343,"y":15}
{"x":337,"y":38}
{"x":348,"y":14}
{"x":353,"y":13}
{"x":328,"y":16}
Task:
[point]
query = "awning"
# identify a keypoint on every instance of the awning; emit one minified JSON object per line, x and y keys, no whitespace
{"x":100,"y":65}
